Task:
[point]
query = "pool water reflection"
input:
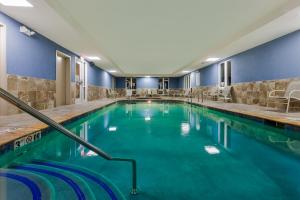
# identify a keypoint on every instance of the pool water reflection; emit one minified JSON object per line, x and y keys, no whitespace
{"x":183,"y":152}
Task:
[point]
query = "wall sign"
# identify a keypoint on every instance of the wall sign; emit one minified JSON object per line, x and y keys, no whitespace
{"x":27,"y":140}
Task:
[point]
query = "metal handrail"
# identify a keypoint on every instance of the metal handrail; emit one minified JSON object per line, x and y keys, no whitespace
{"x":35,"y":113}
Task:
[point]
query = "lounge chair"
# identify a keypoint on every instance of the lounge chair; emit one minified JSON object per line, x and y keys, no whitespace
{"x":140,"y":93}
{"x":111,"y":93}
{"x":148,"y":93}
{"x":288,"y":96}
{"x":187,"y":93}
{"x":129,"y":93}
{"x":212,"y":93}
{"x":154,"y":93}
{"x":225,"y":94}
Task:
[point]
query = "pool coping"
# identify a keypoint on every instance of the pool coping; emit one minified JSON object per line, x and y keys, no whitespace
{"x":42,"y":128}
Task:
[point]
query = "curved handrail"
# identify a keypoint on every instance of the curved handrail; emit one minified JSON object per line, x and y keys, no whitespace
{"x":35,"y":113}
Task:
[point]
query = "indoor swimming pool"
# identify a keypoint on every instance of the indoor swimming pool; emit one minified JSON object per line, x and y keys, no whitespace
{"x":183,"y":151}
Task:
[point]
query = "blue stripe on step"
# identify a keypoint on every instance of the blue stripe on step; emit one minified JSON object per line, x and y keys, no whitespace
{"x":89,"y":176}
{"x":35,"y":191}
{"x":70,"y":182}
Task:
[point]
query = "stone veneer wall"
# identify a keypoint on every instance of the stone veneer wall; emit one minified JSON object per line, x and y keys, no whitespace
{"x":38,"y":93}
{"x":121,"y":92}
{"x":96,"y":92}
{"x":256,"y":93}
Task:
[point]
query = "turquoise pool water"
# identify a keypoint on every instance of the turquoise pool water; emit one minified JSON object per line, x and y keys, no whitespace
{"x":182,"y":151}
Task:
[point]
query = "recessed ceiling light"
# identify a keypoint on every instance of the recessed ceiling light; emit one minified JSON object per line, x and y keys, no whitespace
{"x":112,"y":71}
{"x":185,"y":71}
{"x":212,"y":59}
{"x":93,"y":58}
{"x":147,"y":76}
{"x":16,"y":3}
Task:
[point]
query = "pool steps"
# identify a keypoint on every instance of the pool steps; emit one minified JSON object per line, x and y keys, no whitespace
{"x":56,"y":180}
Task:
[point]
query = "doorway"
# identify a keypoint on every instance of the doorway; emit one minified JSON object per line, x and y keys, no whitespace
{"x":3,"y":75}
{"x":63,"y":79}
{"x":80,"y":81}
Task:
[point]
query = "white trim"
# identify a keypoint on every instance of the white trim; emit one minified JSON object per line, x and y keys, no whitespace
{"x":68,"y":76}
{"x":84,"y":86}
{"x":225,"y":72}
{"x":3,"y":67}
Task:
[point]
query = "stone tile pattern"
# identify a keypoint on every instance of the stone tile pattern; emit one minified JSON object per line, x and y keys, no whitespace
{"x":256,"y":93}
{"x":121,"y":92}
{"x":73,"y":92}
{"x":96,"y":92}
{"x":38,"y":93}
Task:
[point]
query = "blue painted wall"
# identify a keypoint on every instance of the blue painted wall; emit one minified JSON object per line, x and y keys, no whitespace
{"x":98,"y":77}
{"x":180,"y":82}
{"x":173,"y":82}
{"x":151,"y":82}
{"x":147,"y":82}
{"x":120,"y":82}
{"x":36,"y":56}
{"x":277,"y":59}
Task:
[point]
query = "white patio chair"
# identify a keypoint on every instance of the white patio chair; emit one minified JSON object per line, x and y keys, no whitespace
{"x":129,"y":93}
{"x":212,"y":93}
{"x":225,"y":93}
{"x":187,"y":93}
{"x":290,"y":95}
{"x":154,"y":93}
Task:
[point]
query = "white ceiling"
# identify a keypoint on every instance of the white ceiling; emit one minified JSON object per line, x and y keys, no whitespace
{"x":158,"y":37}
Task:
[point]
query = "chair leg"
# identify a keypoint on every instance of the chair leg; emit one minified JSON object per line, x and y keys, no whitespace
{"x":288,"y":106}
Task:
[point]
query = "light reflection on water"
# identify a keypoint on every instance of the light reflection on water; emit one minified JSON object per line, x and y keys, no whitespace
{"x":180,"y":140}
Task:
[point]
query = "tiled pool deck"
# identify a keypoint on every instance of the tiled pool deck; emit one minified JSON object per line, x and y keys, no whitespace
{"x":16,"y":126}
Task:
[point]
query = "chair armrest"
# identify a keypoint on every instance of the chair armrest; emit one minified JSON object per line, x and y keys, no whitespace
{"x":294,"y":91}
{"x":273,"y":91}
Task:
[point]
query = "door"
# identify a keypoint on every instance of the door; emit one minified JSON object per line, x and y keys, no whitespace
{"x":80,"y":81}
{"x":63,"y":80}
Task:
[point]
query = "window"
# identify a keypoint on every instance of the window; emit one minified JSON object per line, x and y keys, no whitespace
{"x":113,"y":83}
{"x":225,"y":73}
{"x":197,"y":74}
{"x":163,"y":83}
{"x":187,"y":81}
{"x":130,"y":83}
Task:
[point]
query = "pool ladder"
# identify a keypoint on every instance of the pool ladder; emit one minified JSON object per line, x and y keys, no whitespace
{"x":38,"y":115}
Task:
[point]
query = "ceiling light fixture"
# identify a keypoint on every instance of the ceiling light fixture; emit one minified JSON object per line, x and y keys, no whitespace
{"x":16,"y":3}
{"x":93,"y":58}
{"x":112,"y":71}
{"x":147,"y":76}
{"x":185,"y":71}
{"x":212,"y":59}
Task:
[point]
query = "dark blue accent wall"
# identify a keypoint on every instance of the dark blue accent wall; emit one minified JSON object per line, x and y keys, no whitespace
{"x":120,"y":82}
{"x":173,"y":82}
{"x":147,"y":82}
{"x":180,"y":82}
{"x":36,"y":56}
{"x":277,"y":59}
